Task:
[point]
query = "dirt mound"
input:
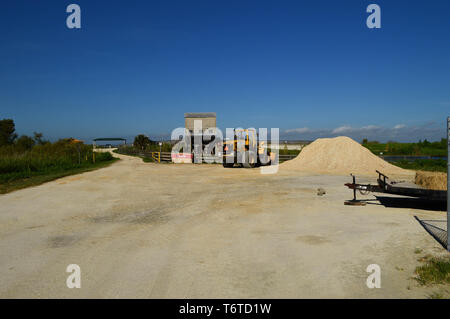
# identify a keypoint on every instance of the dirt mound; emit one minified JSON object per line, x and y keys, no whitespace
{"x":432,"y":180}
{"x":340,"y":156}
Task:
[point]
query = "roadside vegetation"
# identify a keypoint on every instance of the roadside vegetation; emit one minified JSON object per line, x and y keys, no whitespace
{"x":420,"y":149}
{"x":432,"y":165}
{"x":27,"y":161}
{"x":436,"y":270}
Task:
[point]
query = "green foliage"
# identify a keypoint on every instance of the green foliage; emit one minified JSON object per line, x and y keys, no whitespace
{"x":437,"y":165}
{"x":288,"y":152}
{"x":30,"y":161}
{"x":7,"y":132}
{"x":421,"y":148}
{"x":25,"y":143}
{"x":434,"y":271}
{"x":18,"y":163}
{"x":141,"y":142}
{"x":38,"y":138}
{"x":165,"y":147}
{"x":49,"y":176}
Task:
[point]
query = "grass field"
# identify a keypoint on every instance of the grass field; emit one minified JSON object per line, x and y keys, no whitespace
{"x":50,"y":175}
{"x":420,"y":148}
{"x":21,"y":168}
{"x":431,"y":165}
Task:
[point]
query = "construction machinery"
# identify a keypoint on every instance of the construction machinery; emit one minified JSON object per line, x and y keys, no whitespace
{"x":246,"y":151}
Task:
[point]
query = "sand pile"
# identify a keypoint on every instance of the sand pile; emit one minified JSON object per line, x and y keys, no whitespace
{"x":341,"y":156}
{"x":432,"y":180}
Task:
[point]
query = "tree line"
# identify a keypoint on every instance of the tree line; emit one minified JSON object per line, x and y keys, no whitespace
{"x":9,"y":137}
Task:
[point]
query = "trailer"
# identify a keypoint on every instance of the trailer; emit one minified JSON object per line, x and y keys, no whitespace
{"x":384,"y":185}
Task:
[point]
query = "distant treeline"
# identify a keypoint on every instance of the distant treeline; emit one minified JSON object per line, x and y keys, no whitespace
{"x":143,"y":143}
{"x":420,"y":148}
{"x":437,"y":165}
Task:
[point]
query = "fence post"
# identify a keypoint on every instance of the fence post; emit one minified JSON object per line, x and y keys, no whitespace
{"x":448,"y":183}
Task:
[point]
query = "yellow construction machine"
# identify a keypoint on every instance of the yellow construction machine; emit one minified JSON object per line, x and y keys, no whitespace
{"x":245,"y":150}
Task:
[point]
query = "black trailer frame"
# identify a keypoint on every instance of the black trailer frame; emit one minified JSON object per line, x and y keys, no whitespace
{"x":384,"y":186}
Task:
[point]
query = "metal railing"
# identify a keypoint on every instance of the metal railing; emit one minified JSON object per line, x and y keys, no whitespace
{"x":283,"y":158}
{"x":167,"y":156}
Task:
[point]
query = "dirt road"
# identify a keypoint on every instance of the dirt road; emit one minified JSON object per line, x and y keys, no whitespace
{"x":157,"y":231}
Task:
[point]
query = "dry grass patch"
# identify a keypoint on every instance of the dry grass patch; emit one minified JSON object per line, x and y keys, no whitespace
{"x":431,"y":180}
{"x":436,"y":270}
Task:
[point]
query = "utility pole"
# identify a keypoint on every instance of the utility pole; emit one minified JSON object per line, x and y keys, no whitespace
{"x":448,"y":183}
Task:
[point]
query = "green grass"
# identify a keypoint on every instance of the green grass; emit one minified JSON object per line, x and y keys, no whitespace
{"x":148,"y":160}
{"x":423,"y":165}
{"x":50,"y":175}
{"x":435,"y":271}
{"x":289,"y":152}
{"x":20,"y":168}
{"x":436,"y":295}
{"x":424,"y":148}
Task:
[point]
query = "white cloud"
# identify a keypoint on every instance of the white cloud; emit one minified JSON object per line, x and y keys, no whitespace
{"x":298,"y":130}
{"x":349,"y":129}
{"x":399,"y":126}
{"x":342,"y":129}
{"x":369,"y":128}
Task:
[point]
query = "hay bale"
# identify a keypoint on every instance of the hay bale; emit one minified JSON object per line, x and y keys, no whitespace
{"x":431,"y":180}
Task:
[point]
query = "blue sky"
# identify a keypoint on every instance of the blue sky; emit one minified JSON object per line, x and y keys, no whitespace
{"x":311,"y":68}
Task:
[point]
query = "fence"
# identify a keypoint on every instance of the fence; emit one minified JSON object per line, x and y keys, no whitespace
{"x":157,"y":156}
{"x":167,"y":156}
{"x":437,"y":229}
